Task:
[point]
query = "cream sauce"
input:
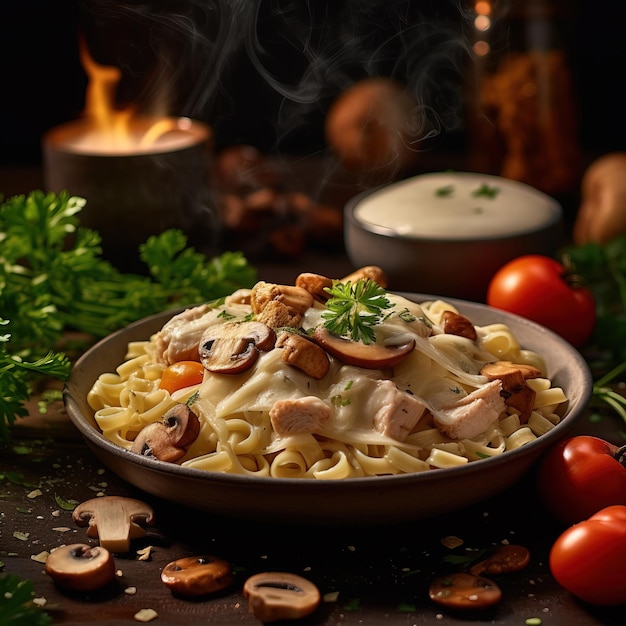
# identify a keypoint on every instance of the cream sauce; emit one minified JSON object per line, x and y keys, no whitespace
{"x":448,"y":205}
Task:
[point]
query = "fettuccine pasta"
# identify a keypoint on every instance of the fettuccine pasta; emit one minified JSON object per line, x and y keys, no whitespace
{"x":452,"y":399}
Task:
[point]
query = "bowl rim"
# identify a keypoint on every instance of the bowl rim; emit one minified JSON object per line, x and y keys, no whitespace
{"x":91,"y":434}
{"x":556,"y":213}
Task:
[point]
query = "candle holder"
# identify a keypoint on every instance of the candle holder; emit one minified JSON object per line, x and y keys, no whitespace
{"x":155,"y":179}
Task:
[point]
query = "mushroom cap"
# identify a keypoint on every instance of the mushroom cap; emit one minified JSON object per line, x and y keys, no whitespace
{"x":233,"y":347}
{"x":81,"y":567}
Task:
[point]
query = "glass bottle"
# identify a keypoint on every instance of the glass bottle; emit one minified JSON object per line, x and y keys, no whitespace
{"x":522,"y":113}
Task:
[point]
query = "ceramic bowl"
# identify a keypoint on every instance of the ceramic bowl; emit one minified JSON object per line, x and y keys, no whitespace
{"x":360,"y":501}
{"x":449,"y":232}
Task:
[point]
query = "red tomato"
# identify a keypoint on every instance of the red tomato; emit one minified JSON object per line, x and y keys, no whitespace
{"x":182,"y":374}
{"x":588,"y":558}
{"x":579,"y":476}
{"x":537,"y":287}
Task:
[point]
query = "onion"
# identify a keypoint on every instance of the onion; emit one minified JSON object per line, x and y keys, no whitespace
{"x":602,"y":212}
{"x":372,"y":127}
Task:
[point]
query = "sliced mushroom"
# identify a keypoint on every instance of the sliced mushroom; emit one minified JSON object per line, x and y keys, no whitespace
{"x":507,"y":558}
{"x":302,"y":353}
{"x":168,"y":439}
{"x":464,"y":591}
{"x":371,"y":356}
{"x":233,"y":347}
{"x":197,"y":575}
{"x":276,"y":596}
{"x":80,"y":567}
{"x":114,"y":520}
{"x":457,"y":324}
{"x":517,"y":394}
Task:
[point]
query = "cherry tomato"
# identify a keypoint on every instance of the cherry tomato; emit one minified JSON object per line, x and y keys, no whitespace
{"x":588,"y":558}
{"x":182,"y":374}
{"x":537,"y":287}
{"x":579,"y":476}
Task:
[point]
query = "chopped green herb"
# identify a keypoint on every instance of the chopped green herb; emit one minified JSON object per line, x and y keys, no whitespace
{"x":486,"y":191}
{"x":406,"y":316}
{"x":66,"y":505}
{"x":17,"y":478}
{"x":226,"y":315}
{"x":193,"y":398}
{"x":338,"y":401}
{"x":354,"y":604}
{"x":444,"y":192}
{"x":355,"y":308}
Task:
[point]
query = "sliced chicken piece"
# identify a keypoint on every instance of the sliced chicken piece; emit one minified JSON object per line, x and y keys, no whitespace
{"x":399,"y":411}
{"x":473,"y":413}
{"x":302,"y":415}
{"x":276,"y":314}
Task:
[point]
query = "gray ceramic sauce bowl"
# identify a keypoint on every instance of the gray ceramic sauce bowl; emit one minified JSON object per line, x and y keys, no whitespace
{"x":448,"y":233}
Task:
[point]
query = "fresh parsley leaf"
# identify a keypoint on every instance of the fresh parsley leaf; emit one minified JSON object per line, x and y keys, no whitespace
{"x":16,"y":375}
{"x":53,"y":279}
{"x":16,"y":603}
{"x":353,"y":309}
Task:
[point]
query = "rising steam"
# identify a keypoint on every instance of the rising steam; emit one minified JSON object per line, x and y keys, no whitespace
{"x":189,"y":56}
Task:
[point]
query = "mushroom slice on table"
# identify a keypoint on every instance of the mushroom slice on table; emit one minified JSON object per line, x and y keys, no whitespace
{"x":80,"y":567}
{"x":276,"y":596}
{"x":197,"y":575}
{"x":114,"y":520}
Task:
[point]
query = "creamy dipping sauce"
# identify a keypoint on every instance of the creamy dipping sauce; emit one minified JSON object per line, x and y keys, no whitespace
{"x":457,"y":205}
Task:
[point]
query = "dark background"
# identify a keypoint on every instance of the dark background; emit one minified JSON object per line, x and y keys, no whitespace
{"x":240,"y":65}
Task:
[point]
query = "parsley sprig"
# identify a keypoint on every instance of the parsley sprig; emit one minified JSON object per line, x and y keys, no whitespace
{"x":16,"y":375}
{"x":354,"y":309}
{"x":53,"y":279}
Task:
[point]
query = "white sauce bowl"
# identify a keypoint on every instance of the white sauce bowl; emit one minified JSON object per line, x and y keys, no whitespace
{"x":449,"y":232}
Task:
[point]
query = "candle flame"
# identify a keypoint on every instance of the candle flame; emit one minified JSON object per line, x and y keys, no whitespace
{"x":118,"y":129}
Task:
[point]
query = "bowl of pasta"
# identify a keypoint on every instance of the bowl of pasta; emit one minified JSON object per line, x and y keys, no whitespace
{"x":327,"y":402}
